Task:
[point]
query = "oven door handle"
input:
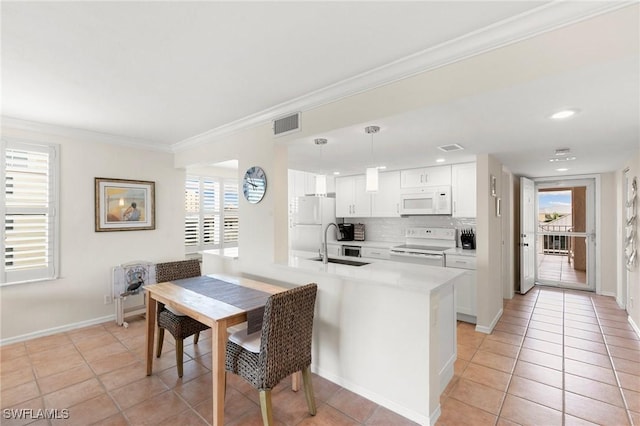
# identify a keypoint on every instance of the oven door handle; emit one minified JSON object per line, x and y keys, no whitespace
{"x":414,"y":254}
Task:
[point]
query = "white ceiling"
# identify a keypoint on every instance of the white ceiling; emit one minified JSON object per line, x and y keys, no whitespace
{"x":162,"y":73}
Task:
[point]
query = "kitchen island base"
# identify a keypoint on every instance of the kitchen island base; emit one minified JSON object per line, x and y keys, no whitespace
{"x":386,"y":334}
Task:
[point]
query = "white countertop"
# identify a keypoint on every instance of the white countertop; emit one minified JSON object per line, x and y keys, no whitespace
{"x":394,"y":274}
{"x":460,"y":252}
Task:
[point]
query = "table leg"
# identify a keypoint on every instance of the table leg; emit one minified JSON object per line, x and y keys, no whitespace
{"x":151,"y":328}
{"x":218,"y":354}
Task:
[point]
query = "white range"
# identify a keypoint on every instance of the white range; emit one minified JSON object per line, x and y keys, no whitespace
{"x":425,"y":246}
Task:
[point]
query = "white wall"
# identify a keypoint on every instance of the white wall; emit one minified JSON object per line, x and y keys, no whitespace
{"x":633,"y":280}
{"x":608,"y":263}
{"x":86,"y":256}
{"x":488,"y":245}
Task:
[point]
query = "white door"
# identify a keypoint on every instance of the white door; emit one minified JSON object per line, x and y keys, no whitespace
{"x":527,"y":235}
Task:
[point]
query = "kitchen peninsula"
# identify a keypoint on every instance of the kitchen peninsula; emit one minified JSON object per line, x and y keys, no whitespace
{"x":384,"y":330}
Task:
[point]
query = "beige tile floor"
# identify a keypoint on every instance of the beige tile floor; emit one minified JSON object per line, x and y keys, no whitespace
{"x":557,"y":268}
{"x":555,"y":358}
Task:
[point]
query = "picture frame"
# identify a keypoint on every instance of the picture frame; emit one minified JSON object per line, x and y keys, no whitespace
{"x":124,"y":205}
{"x":492,"y":186}
{"x":498,"y":206}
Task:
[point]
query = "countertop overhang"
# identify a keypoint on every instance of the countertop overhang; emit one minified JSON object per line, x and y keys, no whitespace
{"x":399,"y":275}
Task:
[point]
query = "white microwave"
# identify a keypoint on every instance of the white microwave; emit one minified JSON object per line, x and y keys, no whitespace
{"x":426,"y":200}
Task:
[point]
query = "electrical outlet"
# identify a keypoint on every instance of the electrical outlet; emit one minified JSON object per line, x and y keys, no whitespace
{"x":107,"y":299}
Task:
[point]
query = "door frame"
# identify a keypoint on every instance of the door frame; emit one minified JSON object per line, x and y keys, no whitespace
{"x":597,"y":270}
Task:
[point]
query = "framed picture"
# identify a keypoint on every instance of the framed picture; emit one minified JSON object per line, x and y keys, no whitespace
{"x":494,"y":192}
{"x":124,"y":205}
{"x":498,"y":206}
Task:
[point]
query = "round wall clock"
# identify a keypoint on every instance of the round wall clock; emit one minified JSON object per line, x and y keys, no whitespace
{"x":254,"y":184}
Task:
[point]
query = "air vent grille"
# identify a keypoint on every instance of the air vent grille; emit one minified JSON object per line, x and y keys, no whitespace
{"x":288,"y":124}
{"x":450,"y":147}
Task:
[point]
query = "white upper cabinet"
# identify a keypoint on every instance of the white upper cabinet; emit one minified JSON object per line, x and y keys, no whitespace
{"x":426,"y":176}
{"x":386,"y":202}
{"x":301,"y":183}
{"x":463,"y":190}
{"x":351,"y":198}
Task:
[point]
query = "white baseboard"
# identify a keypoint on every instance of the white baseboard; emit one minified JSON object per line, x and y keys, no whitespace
{"x":378,"y":399}
{"x":435,"y":415}
{"x":609,"y":294}
{"x":489,"y":330}
{"x":633,"y":325}
{"x":54,"y":330}
{"x":446,"y":374}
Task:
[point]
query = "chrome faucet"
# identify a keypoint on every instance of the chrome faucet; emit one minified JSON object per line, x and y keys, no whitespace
{"x":325,"y":250}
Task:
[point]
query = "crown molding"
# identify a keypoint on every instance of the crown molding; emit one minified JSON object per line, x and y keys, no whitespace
{"x":74,"y":133}
{"x":545,"y":18}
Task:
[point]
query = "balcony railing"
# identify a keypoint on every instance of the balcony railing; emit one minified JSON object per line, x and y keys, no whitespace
{"x":553,"y":244}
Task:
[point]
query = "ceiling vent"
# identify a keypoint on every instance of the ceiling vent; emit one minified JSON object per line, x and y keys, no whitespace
{"x":286,"y":125}
{"x":450,"y":148}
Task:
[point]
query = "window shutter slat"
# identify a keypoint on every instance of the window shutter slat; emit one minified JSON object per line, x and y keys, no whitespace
{"x":29,"y":223}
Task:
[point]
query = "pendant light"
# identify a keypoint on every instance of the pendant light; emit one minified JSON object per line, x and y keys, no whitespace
{"x":372,"y":172}
{"x":321,"y":179}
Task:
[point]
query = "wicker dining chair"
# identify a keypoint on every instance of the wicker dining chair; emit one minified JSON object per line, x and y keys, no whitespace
{"x":180,"y":326}
{"x":281,"y":349}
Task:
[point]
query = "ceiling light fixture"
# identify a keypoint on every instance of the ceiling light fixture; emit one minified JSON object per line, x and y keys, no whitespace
{"x":440,"y":160}
{"x":561,"y":159}
{"x":372,"y":172}
{"x":563,"y":169}
{"x":321,"y":179}
{"x":561,"y":115}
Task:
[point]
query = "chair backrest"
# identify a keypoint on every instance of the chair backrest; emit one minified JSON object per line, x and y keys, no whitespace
{"x":170,"y":271}
{"x":287,"y":327}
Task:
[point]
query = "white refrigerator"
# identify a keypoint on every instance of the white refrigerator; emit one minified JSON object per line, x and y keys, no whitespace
{"x":309,"y":217}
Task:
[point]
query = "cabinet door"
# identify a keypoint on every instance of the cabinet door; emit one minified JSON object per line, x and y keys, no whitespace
{"x":344,"y":197}
{"x":386,"y":202}
{"x":466,"y":294}
{"x":426,"y":176}
{"x":463,"y":190}
{"x":412,"y":178}
{"x":436,"y":176}
{"x":361,"y":198}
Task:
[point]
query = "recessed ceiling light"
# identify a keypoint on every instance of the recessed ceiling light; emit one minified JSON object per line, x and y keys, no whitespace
{"x":382,"y":167}
{"x":336,"y":173}
{"x":563,"y":169}
{"x":560,"y":115}
{"x":440,"y":160}
{"x":561,"y":159}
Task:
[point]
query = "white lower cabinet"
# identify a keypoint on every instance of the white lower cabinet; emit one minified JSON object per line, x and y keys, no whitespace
{"x":466,"y":305}
{"x":375,"y":253}
{"x":334,"y":249}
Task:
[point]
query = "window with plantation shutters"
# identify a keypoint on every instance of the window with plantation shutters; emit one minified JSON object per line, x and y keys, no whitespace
{"x":29,"y":204}
{"x":211,"y":213}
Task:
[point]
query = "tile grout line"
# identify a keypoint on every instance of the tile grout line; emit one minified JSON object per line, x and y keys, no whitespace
{"x":513,"y":369}
{"x":613,"y":367}
{"x":564,"y":374}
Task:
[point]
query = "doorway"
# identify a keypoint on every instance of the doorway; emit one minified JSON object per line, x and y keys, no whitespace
{"x":565,"y":234}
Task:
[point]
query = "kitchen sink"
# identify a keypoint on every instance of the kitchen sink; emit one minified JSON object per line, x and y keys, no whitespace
{"x":341,"y":261}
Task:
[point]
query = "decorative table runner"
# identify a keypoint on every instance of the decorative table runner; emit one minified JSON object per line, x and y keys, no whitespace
{"x":246,"y":298}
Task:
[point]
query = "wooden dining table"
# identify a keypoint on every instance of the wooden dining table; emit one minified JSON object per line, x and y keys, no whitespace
{"x":211,"y":311}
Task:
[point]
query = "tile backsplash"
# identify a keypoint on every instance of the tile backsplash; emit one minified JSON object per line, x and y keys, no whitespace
{"x":391,"y":229}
